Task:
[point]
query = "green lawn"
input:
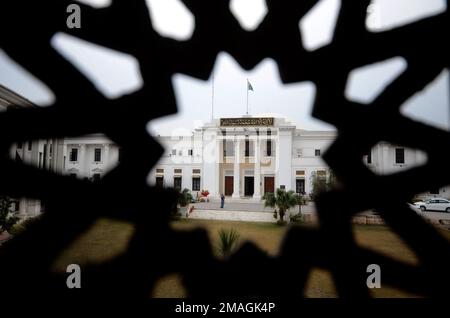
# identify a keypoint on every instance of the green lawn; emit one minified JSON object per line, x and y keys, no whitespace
{"x":107,"y":239}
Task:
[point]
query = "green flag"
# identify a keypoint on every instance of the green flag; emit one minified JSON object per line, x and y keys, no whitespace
{"x":249,"y":86}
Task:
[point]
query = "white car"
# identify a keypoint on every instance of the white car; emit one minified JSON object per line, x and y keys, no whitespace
{"x":435,"y":204}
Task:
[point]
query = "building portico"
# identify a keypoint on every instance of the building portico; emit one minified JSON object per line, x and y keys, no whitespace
{"x":241,"y":158}
{"x":244,"y":157}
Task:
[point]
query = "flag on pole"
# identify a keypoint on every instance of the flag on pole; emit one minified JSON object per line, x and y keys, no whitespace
{"x":249,"y":86}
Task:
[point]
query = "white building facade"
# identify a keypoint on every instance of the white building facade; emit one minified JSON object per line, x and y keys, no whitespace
{"x":243,"y":158}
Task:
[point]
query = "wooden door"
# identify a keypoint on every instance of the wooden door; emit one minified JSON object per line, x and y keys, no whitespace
{"x":229,"y":182}
{"x":269,"y":183}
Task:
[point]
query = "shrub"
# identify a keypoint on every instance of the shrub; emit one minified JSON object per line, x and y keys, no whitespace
{"x":228,"y":240}
{"x":7,"y":218}
{"x":281,"y":222}
{"x":16,"y":229}
{"x":23,"y":225}
{"x":297,"y":218}
{"x":185,"y":197}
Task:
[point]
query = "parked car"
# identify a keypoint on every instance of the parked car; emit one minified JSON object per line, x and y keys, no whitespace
{"x":417,"y":204}
{"x":435,"y":204}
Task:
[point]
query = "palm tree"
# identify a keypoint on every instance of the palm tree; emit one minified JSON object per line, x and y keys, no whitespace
{"x":184,"y":197}
{"x":282,"y":199}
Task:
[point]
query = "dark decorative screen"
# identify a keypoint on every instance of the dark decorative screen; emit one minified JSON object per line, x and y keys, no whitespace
{"x":155,"y":248}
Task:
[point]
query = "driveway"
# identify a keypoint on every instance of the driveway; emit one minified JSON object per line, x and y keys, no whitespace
{"x":435,"y":215}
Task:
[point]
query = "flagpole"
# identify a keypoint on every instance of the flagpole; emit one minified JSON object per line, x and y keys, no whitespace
{"x":247,"y":95}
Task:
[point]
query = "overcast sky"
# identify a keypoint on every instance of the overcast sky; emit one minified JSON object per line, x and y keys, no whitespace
{"x":115,"y":73}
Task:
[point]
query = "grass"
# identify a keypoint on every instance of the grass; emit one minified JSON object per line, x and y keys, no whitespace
{"x":107,"y":238}
{"x":268,"y":236}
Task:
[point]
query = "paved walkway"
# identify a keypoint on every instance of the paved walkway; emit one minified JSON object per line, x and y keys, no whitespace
{"x":229,"y":215}
{"x":247,"y":207}
{"x":435,"y":216}
{"x":239,"y":211}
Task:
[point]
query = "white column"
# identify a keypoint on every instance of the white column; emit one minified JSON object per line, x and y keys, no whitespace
{"x":210,"y":165}
{"x":61,"y":160}
{"x":47,"y":155}
{"x":284,"y":159}
{"x":218,"y":160}
{"x":82,"y":160}
{"x":386,"y":166}
{"x":106,"y":159}
{"x":54,"y":154}
{"x":257,"y":170}
{"x":35,"y":153}
{"x":57,"y":162}
{"x":236,"y":175}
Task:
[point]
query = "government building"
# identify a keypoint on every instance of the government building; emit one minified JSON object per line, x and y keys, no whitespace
{"x":242,"y":158}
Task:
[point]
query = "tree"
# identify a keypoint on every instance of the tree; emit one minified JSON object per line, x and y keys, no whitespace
{"x":298,"y":218}
{"x":322,"y":183}
{"x":282,"y":199}
{"x":300,"y":201}
{"x":331,"y":180}
{"x":185,"y":197}
{"x":318,"y":185}
{"x":7,"y":219}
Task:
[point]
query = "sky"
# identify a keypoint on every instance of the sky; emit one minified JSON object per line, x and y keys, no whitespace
{"x":116,"y":73}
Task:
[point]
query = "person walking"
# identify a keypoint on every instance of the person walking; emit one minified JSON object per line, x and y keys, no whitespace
{"x":222,"y":201}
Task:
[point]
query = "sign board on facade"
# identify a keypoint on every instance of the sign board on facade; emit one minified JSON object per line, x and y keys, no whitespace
{"x":250,"y":121}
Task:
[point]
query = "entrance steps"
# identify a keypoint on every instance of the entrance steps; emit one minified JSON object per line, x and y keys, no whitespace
{"x":236,"y":200}
{"x":232,"y":215}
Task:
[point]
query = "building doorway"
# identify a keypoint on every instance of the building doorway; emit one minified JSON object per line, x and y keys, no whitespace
{"x":177,"y":183}
{"x":159,"y":182}
{"x":249,"y":186}
{"x":269,"y":183}
{"x":300,"y":186}
{"x":229,"y":181}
